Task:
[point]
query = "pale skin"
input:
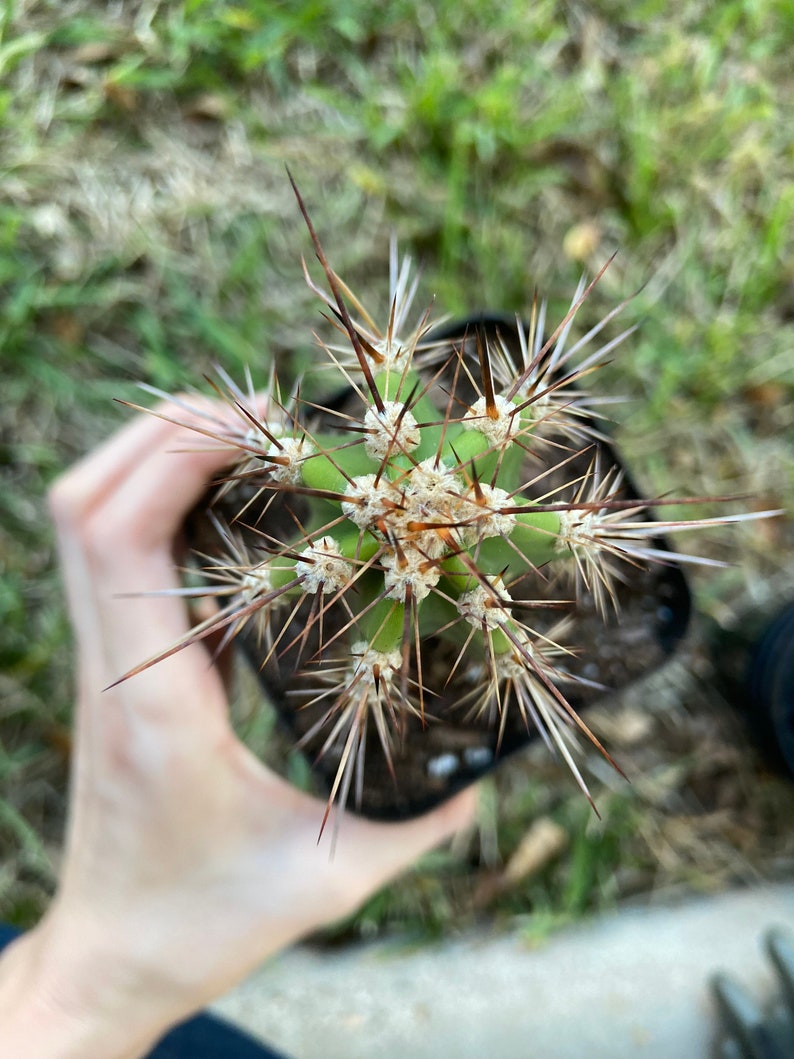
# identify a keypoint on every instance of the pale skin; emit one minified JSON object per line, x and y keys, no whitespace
{"x":187,"y":862}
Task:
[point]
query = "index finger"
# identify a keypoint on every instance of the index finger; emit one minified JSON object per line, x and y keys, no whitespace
{"x":117,"y":513}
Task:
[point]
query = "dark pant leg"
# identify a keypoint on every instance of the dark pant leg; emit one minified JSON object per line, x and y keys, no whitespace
{"x":202,"y":1037}
{"x":7,"y":935}
{"x":208,"y":1037}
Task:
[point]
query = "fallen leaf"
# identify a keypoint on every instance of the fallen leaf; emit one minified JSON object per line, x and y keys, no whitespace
{"x":544,"y":841}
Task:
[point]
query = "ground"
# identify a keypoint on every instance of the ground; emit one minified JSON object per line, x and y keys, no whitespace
{"x":148,"y":231}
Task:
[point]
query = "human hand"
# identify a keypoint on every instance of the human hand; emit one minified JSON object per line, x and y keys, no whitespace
{"x":187,"y":862}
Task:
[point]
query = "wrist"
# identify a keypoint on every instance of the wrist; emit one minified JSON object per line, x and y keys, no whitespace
{"x":57,"y":1005}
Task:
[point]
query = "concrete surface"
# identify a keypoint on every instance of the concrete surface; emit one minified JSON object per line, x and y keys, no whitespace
{"x":632,"y":984}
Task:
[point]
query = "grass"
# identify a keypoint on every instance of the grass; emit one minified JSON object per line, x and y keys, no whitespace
{"x":147,"y":231}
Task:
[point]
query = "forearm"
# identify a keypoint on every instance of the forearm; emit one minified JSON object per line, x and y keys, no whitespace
{"x":72,"y":989}
{"x":57,"y":1008}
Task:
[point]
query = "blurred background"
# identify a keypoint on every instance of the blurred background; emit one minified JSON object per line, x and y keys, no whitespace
{"x":148,"y":232}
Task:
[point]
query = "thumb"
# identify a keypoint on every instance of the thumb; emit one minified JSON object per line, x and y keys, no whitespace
{"x":385,"y":850}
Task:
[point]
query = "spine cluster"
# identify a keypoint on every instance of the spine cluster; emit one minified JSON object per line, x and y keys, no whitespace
{"x":417,"y":526}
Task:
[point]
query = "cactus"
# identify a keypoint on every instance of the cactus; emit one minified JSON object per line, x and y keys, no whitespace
{"x":411,"y":550}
